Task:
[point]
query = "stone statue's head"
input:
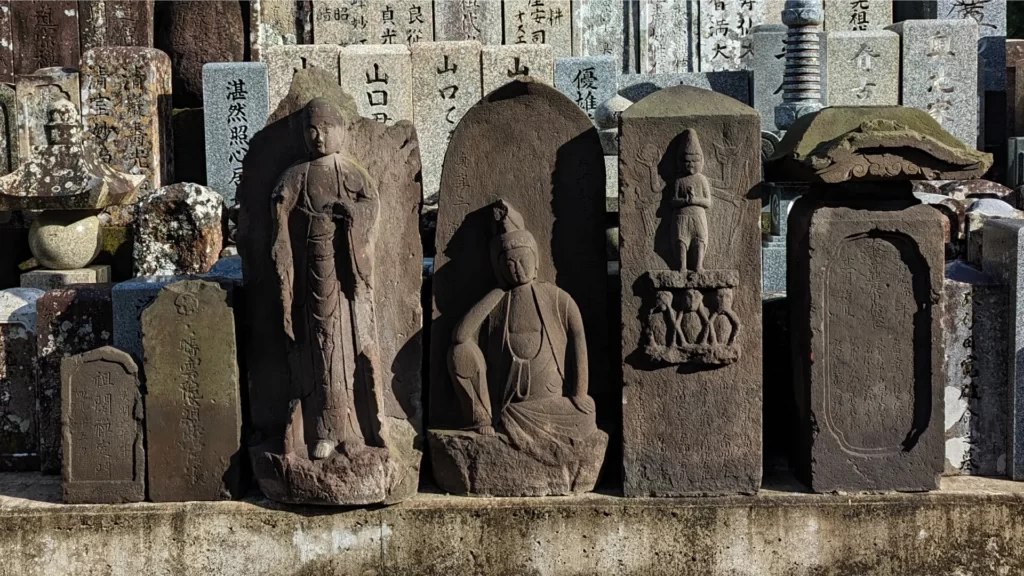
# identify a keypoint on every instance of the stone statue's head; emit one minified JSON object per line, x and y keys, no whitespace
{"x":691,"y":157}
{"x":513,"y":249}
{"x":663,"y":300}
{"x":723,"y":298}
{"x":323,"y":128}
{"x":692,"y":300}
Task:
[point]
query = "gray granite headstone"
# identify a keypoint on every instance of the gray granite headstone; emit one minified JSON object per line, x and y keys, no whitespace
{"x":478,"y":20}
{"x":36,"y":93}
{"x":235,"y":107}
{"x":668,"y":36}
{"x":767,"y":63}
{"x":586,"y":80}
{"x":851,"y":15}
{"x":379,"y":78}
{"x":500,"y":65}
{"x":940,"y":73}
{"x":723,"y":25}
{"x":861,"y":68}
{"x":735,"y":84}
{"x":990,"y":16}
{"x":284,"y":61}
{"x":598,"y":28}
{"x":540,"y":22}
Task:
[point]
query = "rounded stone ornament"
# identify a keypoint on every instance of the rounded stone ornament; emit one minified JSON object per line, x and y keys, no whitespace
{"x":65,"y":240}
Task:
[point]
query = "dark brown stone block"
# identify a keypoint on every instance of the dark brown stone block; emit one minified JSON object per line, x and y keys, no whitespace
{"x":45,"y":34}
{"x":102,"y":414}
{"x":194,"y":32}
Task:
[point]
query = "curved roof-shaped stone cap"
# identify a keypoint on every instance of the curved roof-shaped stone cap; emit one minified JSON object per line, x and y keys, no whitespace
{"x":18,"y":306}
{"x":872,"y":143}
{"x":688,"y":101}
{"x":607,"y":114}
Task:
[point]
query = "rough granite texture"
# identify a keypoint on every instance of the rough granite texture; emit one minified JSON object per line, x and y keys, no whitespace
{"x":380,"y":79}
{"x":991,"y":19}
{"x":179,"y":231}
{"x":284,"y":61}
{"x":192,"y":33}
{"x":115,"y":23}
{"x":45,"y":34}
{"x":275,"y":23}
{"x":586,"y":80}
{"x":598,"y":30}
{"x":8,"y":129}
{"x":479,"y":20}
{"x":503,"y":64}
{"x":6,"y":43}
{"x":53,"y":279}
{"x":767,"y":65}
{"x":18,"y":438}
{"x":37,"y":94}
{"x":845,"y":16}
{"x":669,"y":36}
{"x":545,"y":22}
{"x":64,"y":240}
{"x":724,"y":25}
{"x":343,"y":22}
{"x":861,"y":68}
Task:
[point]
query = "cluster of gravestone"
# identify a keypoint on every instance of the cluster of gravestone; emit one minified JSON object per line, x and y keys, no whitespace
{"x":660,"y":250}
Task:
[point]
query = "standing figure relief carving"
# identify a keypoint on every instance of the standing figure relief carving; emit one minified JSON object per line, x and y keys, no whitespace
{"x":687,"y":312}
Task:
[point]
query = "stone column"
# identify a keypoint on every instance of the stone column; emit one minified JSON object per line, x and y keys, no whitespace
{"x":801,"y":84}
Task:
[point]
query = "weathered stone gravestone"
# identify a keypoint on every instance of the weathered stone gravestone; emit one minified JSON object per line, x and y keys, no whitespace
{"x":336,"y":417}
{"x":115,"y":23}
{"x":193,"y":409}
{"x":865,"y":277}
{"x":178,"y":231}
{"x":587,"y":80}
{"x":691,"y":294}
{"x":991,"y":19}
{"x":598,"y":29}
{"x":940,"y":73}
{"x":37,"y":93}
{"x":235,"y":106}
{"x":520,"y":247}
{"x":857,"y":15}
{"x":126,"y":108}
{"x":101,"y":421}
{"x":69,"y":321}
{"x":478,"y":20}
{"x":347,"y":22}
{"x":735,"y":84}
{"x":8,"y":130}
{"x":380,"y":78}
{"x":500,"y":65}
{"x":284,"y":61}
{"x":669,"y":36}
{"x":767,"y":64}
{"x":539,"y":22}
{"x":861,"y":68}
{"x":45,"y":34}
{"x":724,"y":24}
{"x":18,"y":444}
{"x":277,"y":23}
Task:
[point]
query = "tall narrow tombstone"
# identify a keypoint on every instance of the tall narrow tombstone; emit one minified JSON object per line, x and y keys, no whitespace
{"x":669,"y":36}
{"x":445,"y":83}
{"x":940,"y":73}
{"x":275,"y":23}
{"x":36,"y":95}
{"x":735,"y":84}
{"x":865,"y":276}
{"x":857,"y":15}
{"x":478,"y":20}
{"x":586,"y":80}
{"x":541,"y":206}
{"x":500,"y":65}
{"x":861,"y":68}
{"x":102,"y":437}
{"x":767,"y":65}
{"x":69,"y":321}
{"x":380,"y":80}
{"x":284,"y":61}
{"x":45,"y":34}
{"x":6,"y":43}
{"x":115,"y":23}
{"x":193,"y":409}
{"x":598,"y":29}
{"x":723,"y":26}
{"x":126,"y":108}
{"x":18,"y":439}
{"x":990,"y":15}
{"x":691,"y":294}
{"x":539,"y":22}
{"x":9,"y":149}
{"x":235,"y":106}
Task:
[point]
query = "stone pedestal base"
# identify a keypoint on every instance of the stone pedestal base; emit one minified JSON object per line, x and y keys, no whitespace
{"x":468,"y":463}
{"x":53,"y":279}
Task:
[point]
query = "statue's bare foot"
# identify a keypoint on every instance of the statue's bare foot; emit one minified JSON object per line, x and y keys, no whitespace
{"x":487,"y":430}
{"x":323,"y":449}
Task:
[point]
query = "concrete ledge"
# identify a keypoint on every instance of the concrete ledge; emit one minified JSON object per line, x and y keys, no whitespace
{"x":972,"y":527}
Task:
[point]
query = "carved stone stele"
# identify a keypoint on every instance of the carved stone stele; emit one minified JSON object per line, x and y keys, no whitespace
{"x":331,"y":255}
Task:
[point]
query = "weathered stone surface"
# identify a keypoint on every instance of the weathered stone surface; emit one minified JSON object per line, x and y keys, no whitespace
{"x":64,"y":240}
{"x":978,"y":212}
{"x":735,"y":84}
{"x":712,"y":361}
{"x":767,"y":64}
{"x":6,"y":43}
{"x":555,"y":187}
{"x":115,"y":23}
{"x":723,"y":26}
{"x":991,"y":19}
{"x":861,"y":68}
{"x":37,"y":93}
{"x":45,"y":34}
{"x":445,"y":83}
{"x":193,"y":409}
{"x":586,"y":80}
{"x":235,"y":106}
{"x":503,"y":64}
{"x":940,"y":73}
{"x":974,"y":325}
{"x":607,"y":120}
{"x":8,"y":129}
{"x":877,"y":143}
{"x":126,"y":108}
{"x":865,"y":286}
{"x":598,"y":29}
{"x":54,"y":279}
{"x":276,"y":23}
{"x":539,"y":22}
{"x":388,"y":469}
{"x":70,"y":321}
{"x":847,"y":16}
{"x":478,"y":20}
{"x":193,"y":33}
{"x":380,"y":78}
{"x":966,"y":190}
{"x":179,"y":231}
{"x":18,"y":444}
{"x":128,"y":300}
{"x":101,"y":419}
{"x":284,"y":61}
{"x":346,"y":22}
{"x":669,"y":36}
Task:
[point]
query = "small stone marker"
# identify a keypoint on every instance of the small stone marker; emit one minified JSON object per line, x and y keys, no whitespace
{"x":8,"y":130}
{"x":857,"y":15}
{"x":6,"y":43}
{"x":102,"y":438}
{"x":668,"y":36}
{"x":45,"y":34}
{"x":235,"y":107}
{"x":283,"y":61}
{"x":380,"y":80}
{"x":18,"y":443}
{"x":598,"y":29}
{"x":861,"y":68}
{"x":940,"y":73}
{"x":179,"y":231}
{"x":277,"y":23}
{"x":69,"y":321}
{"x":723,"y":26}
{"x":116,"y":23}
{"x":503,"y":64}
{"x":767,"y":64}
{"x":478,"y":20}
{"x":43,"y":279}
{"x":445,"y":83}
{"x":735,"y":84}
{"x":126,"y":108}
{"x":586,"y":80}
{"x":193,"y":411}
{"x":539,"y":22}
{"x":990,"y":15}
{"x":36,"y":94}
